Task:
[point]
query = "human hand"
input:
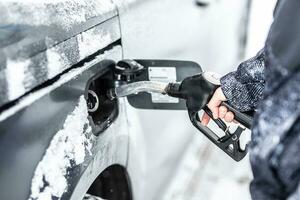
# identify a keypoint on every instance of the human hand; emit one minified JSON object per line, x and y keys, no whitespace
{"x":218,"y":111}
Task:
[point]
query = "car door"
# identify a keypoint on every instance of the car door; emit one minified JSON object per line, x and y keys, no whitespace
{"x":208,"y":32}
{"x":52,"y":55}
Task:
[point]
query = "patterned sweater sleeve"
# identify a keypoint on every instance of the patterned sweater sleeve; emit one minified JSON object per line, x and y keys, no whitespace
{"x":243,"y":88}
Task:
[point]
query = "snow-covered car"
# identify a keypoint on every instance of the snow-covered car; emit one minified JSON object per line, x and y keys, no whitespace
{"x":55,"y":53}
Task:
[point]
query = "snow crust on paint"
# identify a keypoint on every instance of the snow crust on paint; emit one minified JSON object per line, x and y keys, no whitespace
{"x":57,"y":62}
{"x":30,"y":98}
{"x":67,"y":149}
{"x":90,"y":41}
{"x":15,"y":73}
{"x":64,"y":13}
{"x":20,"y":76}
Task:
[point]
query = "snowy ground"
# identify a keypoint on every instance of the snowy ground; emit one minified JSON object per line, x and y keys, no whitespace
{"x":206,"y":173}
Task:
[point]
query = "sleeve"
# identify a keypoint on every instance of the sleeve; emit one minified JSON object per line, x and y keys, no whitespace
{"x":243,"y":88}
{"x":275,"y":144}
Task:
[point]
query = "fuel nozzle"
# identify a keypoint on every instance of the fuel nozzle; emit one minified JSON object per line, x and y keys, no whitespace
{"x":196,"y":90}
{"x":173,"y":90}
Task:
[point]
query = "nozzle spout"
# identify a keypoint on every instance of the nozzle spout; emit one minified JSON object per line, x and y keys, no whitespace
{"x":137,"y":87}
{"x":173,"y":90}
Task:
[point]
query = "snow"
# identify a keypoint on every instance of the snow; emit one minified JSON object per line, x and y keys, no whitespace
{"x":15,"y":72}
{"x":23,"y":75}
{"x":236,"y":192}
{"x":205,"y":172}
{"x":67,"y":149}
{"x":30,"y":98}
{"x":64,"y":13}
{"x":90,"y":41}
{"x":56,"y":62}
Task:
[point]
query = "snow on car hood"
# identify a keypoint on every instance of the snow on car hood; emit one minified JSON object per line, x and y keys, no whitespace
{"x":68,"y":148}
{"x":41,"y":39}
{"x":64,"y":13}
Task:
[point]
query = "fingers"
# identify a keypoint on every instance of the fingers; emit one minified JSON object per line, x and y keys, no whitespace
{"x":205,"y":119}
{"x":217,"y":110}
{"x":213,"y":106}
{"x":222,"y":112}
{"x":215,"y":102}
{"x":229,"y":117}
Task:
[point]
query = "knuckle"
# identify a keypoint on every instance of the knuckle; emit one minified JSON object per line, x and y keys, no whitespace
{"x":229,"y":117}
{"x":223,"y":109}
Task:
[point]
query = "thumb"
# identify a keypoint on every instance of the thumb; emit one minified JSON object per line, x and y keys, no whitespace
{"x":215,"y":102}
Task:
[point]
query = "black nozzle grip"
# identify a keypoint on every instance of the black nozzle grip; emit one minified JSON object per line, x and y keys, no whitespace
{"x":242,"y":118}
{"x":229,"y":143}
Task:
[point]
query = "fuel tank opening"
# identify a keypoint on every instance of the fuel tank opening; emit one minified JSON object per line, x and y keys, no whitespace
{"x":102,"y":110}
{"x":93,"y":101}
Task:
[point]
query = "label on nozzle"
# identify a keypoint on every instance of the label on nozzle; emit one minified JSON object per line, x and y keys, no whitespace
{"x":162,"y":74}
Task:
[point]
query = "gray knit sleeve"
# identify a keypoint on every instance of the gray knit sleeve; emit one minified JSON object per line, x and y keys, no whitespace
{"x":244,"y":88}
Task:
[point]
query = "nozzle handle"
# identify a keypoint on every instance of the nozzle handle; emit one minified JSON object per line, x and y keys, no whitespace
{"x":229,"y":143}
{"x":242,"y":118}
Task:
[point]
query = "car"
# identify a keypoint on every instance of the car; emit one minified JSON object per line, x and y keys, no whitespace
{"x":60,"y":136}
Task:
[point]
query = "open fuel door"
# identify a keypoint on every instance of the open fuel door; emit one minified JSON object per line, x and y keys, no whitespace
{"x":161,"y":71}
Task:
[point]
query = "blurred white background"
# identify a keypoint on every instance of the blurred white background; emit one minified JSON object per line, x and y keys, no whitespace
{"x":261,"y":17}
